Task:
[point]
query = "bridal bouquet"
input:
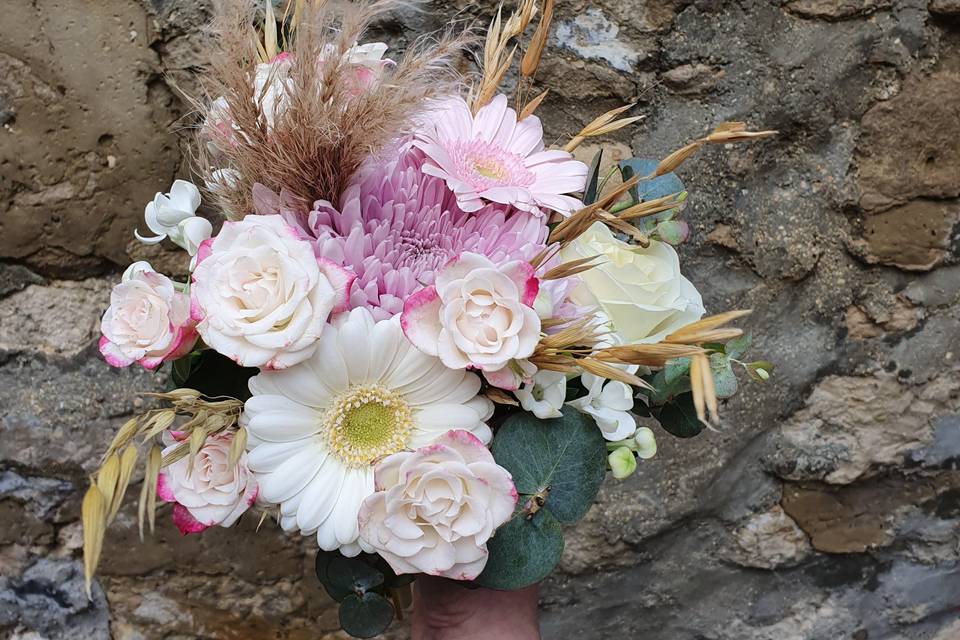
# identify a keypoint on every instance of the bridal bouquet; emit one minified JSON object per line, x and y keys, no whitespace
{"x":420,"y":336}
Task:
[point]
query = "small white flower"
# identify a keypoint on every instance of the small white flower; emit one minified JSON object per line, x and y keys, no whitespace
{"x":173,"y":215}
{"x":609,"y":402}
{"x":544,"y":395}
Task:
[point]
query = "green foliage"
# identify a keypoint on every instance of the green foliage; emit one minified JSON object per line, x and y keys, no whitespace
{"x":724,"y":379}
{"x":212,"y":375}
{"x":673,"y":232}
{"x":669,"y":382}
{"x":665,"y":185}
{"x":360,"y":585}
{"x":557,"y":467}
{"x":523,"y":551}
{"x":365,"y":615}
{"x":679,"y":417}
{"x":593,"y":180}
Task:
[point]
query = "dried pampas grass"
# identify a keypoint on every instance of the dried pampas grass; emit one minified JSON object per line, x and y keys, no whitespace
{"x":327,"y":128}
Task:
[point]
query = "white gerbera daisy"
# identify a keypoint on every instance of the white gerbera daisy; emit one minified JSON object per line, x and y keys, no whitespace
{"x":316,"y":428}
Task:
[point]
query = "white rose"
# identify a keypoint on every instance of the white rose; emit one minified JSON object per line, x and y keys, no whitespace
{"x":435,"y":508}
{"x":640,"y":290}
{"x":173,"y":215}
{"x":211,"y":491}
{"x":147,"y":322}
{"x":260,"y":295}
{"x":477,"y":314}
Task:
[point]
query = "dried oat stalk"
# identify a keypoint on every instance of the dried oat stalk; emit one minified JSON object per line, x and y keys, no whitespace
{"x":686,"y":342}
{"x":109,"y":483}
{"x":499,"y":51}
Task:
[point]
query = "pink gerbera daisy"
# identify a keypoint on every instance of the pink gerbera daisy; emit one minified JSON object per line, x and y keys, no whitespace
{"x":492,"y":157}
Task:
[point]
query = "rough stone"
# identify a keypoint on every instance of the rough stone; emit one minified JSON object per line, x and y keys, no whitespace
{"x":834,"y":9}
{"x":858,"y":518}
{"x":592,"y":35}
{"x":81,"y":86}
{"x":907,"y":149}
{"x":916,"y":236}
{"x":944,"y":7}
{"x":27,"y":318}
{"x":692,"y":79}
{"x":770,"y":540}
{"x":824,"y":506}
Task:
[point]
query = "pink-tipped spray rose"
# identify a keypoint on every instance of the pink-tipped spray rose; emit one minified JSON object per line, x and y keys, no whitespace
{"x":147,"y":322}
{"x":478,"y":315}
{"x":210,"y":491}
{"x":435,"y":508}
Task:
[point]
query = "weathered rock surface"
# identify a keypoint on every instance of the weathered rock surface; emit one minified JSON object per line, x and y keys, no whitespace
{"x":826,"y":506}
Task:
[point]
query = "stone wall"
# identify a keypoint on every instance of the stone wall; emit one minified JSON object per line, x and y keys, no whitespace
{"x":826,"y":507}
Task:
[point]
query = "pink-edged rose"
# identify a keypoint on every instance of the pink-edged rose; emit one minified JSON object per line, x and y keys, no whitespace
{"x":260,"y":295}
{"x":478,"y":314}
{"x":210,"y":492}
{"x":435,"y":508}
{"x":147,"y":322}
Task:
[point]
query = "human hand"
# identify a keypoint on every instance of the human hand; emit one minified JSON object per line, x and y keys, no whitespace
{"x":446,"y":610}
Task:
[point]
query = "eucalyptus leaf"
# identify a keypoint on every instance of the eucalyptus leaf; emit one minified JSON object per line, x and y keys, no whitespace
{"x":669,"y":382}
{"x":679,"y":417}
{"x":673,"y":232}
{"x":724,"y":379}
{"x":523,"y":551}
{"x":351,"y":575}
{"x":651,"y":189}
{"x":593,"y":183}
{"x":738,"y":346}
{"x":365,"y":616}
{"x":563,"y":458}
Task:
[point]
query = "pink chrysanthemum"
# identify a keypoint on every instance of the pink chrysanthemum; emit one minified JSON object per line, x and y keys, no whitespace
{"x":397,"y":226}
{"x":492,"y":157}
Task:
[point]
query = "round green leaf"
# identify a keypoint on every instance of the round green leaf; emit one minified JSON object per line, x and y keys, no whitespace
{"x":563,"y":459}
{"x":679,"y":417}
{"x":352,"y":575}
{"x":523,"y":551}
{"x":738,"y":346}
{"x":365,"y":616}
{"x":724,"y":379}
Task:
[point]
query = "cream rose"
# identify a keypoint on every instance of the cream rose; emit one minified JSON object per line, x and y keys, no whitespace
{"x":260,"y":295}
{"x":477,"y":314}
{"x":147,"y":322}
{"x":211,"y":491}
{"x":435,"y":508}
{"x":641,"y":291}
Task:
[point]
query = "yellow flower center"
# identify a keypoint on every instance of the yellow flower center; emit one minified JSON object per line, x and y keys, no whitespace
{"x":366,"y":423}
{"x":488,"y":169}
